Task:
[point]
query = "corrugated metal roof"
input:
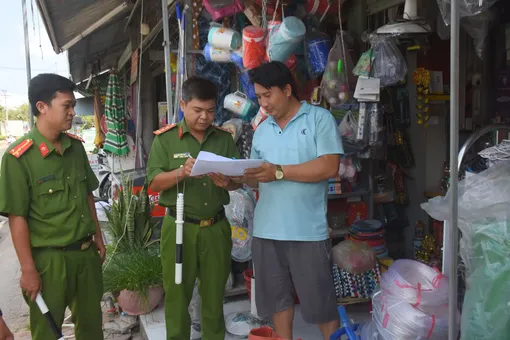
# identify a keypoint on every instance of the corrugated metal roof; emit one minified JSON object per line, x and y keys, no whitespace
{"x":102,"y":48}
{"x":67,"y":19}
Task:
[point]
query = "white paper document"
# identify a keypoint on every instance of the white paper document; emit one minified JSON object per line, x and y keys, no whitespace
{"x":208,"y":162}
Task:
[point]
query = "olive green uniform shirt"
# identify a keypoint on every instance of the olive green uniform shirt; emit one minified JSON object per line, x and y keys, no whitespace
{"x":49,"y":189}
{"x":171,"y":149}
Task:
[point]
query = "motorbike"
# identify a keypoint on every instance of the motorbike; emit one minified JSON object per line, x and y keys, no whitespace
{"x":104,"y":191}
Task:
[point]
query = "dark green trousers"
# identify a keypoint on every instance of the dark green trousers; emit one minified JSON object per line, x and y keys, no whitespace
{"x":206,"y":256}
{"x":69,"y":279}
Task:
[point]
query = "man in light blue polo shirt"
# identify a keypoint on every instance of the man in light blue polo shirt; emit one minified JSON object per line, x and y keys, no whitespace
{"x":291,"y":247}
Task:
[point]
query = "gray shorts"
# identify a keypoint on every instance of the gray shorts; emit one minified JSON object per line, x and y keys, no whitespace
{"x":281,"y":266}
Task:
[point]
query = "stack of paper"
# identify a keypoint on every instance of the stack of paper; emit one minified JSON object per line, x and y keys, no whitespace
{"x":208,"y":162}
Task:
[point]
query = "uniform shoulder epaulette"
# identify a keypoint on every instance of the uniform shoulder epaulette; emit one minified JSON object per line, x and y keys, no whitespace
{"x":21,"y":148}
{"x":164,"y":129}
{"x":75,"y":137}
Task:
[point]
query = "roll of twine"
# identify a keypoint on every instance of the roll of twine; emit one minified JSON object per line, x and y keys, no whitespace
{"x":416,"y":283}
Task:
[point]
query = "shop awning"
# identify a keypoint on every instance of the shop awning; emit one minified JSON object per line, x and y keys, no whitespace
{"x":97,"y":52}
{"x":92,"y":31}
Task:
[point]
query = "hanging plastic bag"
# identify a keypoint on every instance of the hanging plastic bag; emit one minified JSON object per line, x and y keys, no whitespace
{"x":235,"y":126}
{"x":240,"y":213}
{"x":478,"y":26}
{"x":389,"y":64}
{"x":467,"y":8}
{"x":317,"y":49}
{"x":484,"y":220}
{"x":354,"y":257}
{"x":335,"y":82}
{"x":364,"y":64}
{"x":348,"y":126}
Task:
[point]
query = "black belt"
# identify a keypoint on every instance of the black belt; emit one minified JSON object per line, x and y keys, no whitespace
{"x":82,"y":244}
{"x":203,"y":223}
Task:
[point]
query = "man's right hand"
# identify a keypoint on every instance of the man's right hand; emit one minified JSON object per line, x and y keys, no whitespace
{"x":30,"y":283}
{"x":5,"y":333}
{"x":186,"y":170}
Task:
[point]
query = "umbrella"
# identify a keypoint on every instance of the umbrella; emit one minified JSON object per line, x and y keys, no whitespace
{"x":116,"y":141}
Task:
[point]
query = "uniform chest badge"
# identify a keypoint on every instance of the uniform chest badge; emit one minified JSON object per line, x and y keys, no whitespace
{"x":182,"y":155}
{"x":46,"y":179}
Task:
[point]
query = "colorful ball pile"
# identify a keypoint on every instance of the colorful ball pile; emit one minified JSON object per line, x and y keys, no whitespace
{"x":372,"y":233}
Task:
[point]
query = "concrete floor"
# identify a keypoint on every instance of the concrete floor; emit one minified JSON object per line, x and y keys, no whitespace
{"x":153,"y":325}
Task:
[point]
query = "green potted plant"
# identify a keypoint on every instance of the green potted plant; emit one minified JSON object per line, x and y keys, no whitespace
{"x":133,"y":270}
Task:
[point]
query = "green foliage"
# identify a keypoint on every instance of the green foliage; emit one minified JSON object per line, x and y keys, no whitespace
{"x":135,"y":271}
{"x":22,"y":112}
{"x":133,"y":261}
{"x":88,"y":122}
{"x":129,"y":219}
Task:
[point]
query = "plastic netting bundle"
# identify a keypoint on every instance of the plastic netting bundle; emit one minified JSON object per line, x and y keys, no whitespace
{"x":240,"y":212}
{"x":416,"y":283}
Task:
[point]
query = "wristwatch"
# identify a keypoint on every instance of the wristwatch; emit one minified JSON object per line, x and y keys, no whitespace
{"x":279,"y":173}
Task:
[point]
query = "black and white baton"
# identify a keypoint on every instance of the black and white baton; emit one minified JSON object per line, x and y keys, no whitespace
{"x":46,"y":312}
{"x":179,"y":223}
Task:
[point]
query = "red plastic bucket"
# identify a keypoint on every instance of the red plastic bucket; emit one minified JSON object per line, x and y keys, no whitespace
{"x":254,"y":47}
{"x":248,"y":274}
{"x":263,"y":333}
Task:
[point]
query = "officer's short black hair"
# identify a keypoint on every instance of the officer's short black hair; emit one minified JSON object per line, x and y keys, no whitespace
{"x":199,"y":88}
{"x":44,"y":88}
{"x":272,"y":74}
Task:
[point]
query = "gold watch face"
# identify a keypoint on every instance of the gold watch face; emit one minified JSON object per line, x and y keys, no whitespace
{"x":279,"y":174}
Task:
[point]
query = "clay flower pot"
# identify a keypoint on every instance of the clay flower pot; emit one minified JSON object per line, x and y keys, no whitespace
{"x":134,"y":303}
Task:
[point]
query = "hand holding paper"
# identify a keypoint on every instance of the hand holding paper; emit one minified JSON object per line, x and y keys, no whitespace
{"x":208,"y":162}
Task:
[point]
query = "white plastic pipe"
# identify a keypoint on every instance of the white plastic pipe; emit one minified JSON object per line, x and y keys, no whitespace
{"x":179,"y":223}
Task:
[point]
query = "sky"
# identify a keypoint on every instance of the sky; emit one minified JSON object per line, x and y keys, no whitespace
{"x":13,"y":78}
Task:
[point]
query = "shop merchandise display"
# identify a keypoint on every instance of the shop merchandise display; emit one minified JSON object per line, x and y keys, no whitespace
{"x":356,"y":286}
{"x":235,"y":127}
{"x":335,"y":81}
{"x":421,"y":78}
{"x":284,"y":38}
{"x":318,"y":45}
{"x":484,"y":220}
{"x":389,"y":64}
{"x":354,"y":257}
{"x":239,"y":213}
{"x":412,"y":303}
{"x":371,"y":233}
